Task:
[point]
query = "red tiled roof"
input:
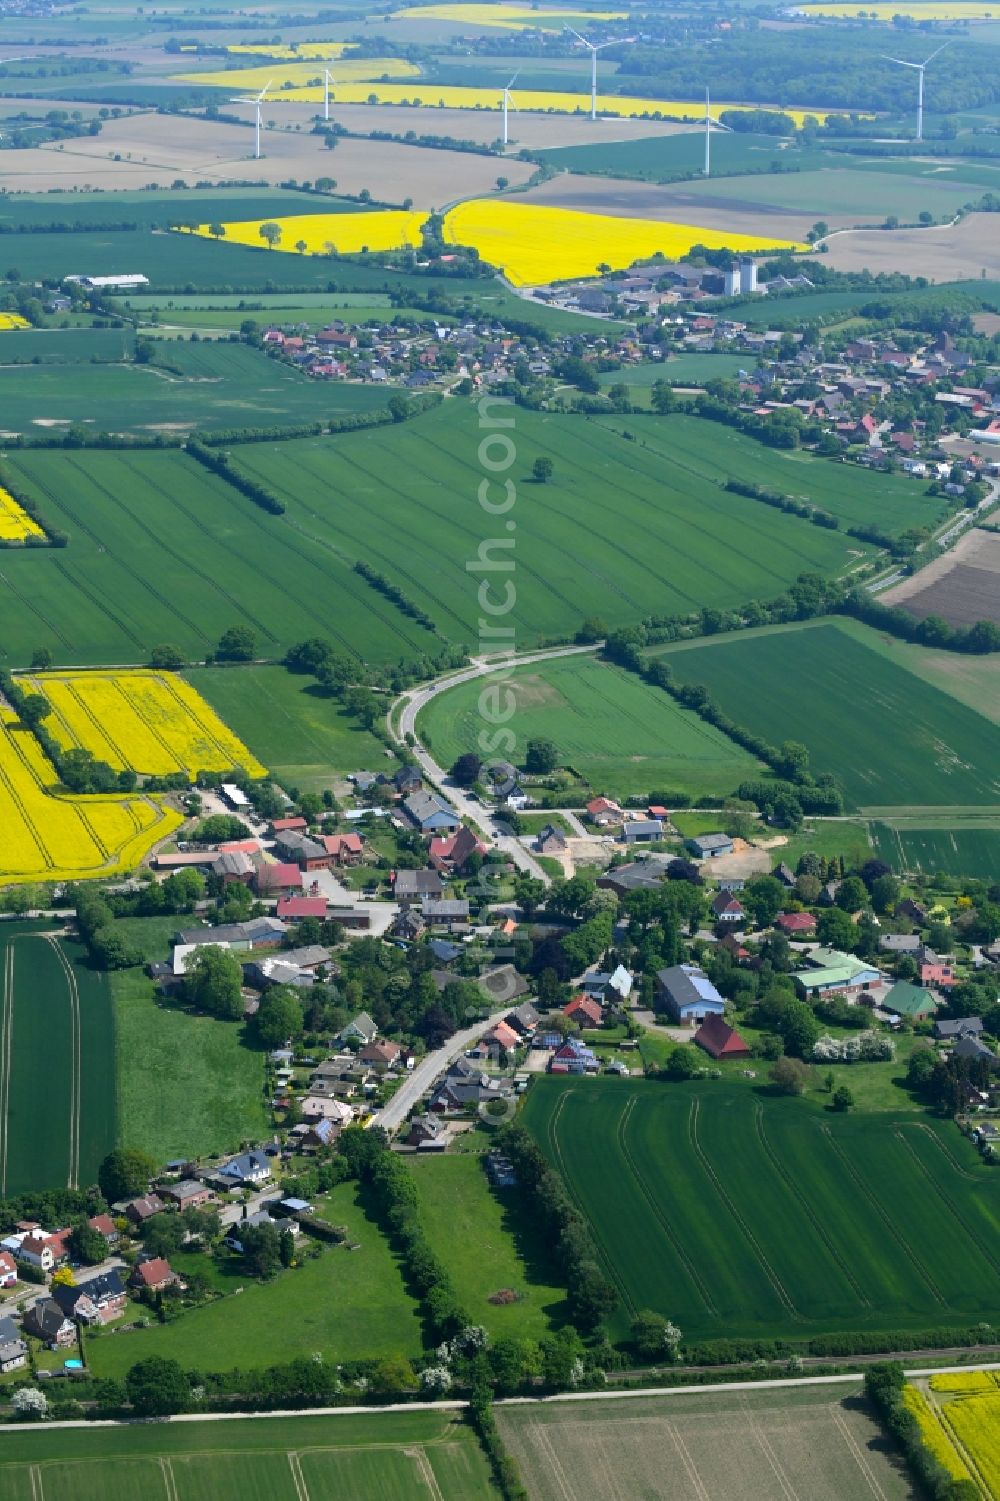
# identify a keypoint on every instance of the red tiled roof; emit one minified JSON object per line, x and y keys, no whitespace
{"x":274,"y":877}
{"x":150,"y":1273}
{"x":795,"y":922}
{"x":720,"y":1040}
{"x":582,"y":1005}
{"x":302,"y":906}
{"x":282,"y":825}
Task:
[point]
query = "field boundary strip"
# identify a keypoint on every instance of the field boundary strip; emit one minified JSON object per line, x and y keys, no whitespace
{"x":952,"y":1160}
{"x":886,"y":1219}
{"x":552,"y":1460}
{"x":807,"y":1208}
{"x":169,"y":1482}
{"x":298,"y":1479}
{"x":936,"y":1188}
{"x":424,"y":1470}
{"x":647,"y":1194}
{"x":720,"y":1189}
{"x":767,"y":1449}
{"x":37,"y":1489}
{"x":855,"y":1450}
{"x":6,"y":1040}
{"x":689,"y":1465}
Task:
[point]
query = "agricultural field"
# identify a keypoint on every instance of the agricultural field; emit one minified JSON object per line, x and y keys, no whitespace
{"x":713,"y":1446}
{"x":147,"y":722}
{"x":159,"y":209}
{"x":841,"y":194}
{"x":618,"y":733}
{"x":536,"y":245}
{"x":513,"y":17}
{"x":893,"y":741}
{"x":298,"y":74}
{"x":161,"y":550}
{"x":793,"y":309}
{"x":185,"y":386}
{"x":417,"y":477}
{"x":738,"y":1213}
{"x":716,"y":453}
{"x":964,"y":250}
{"x":186,"y":1085}
{"x":69,"y":346}
{"x":12,"y":322}
{"x":969,"y":850}
{"x":329,"y":234}
{"x":55,"y":1024}
{"x":347,"y":1305}
{"x":960,"y":586}
{"x":298,"y":730}
{"x":974,"y":1421}
{"x":666,"y":158}
{"x":402,"y":1456}
{"x":15,"y":523}
{"x":487,"y":1244}
{"x":52,"y":836}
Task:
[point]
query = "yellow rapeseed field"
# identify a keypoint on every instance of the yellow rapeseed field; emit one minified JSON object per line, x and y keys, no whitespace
{"x":148,"y":722}
{"x":347,"y":234}
{"x":448,"y":96}
{"x":15,"y":522}
{"x":10,"y":321}
{"x":534,"y":245}
{"x":976,"y":1424}
{"x":933,"y":1434}
{"x":279,"y":74}
{"x":971,"y":1383}
{"x":512,"y":17}
{"x":304,"y":50}
{"x":916,"y":11}
{"x":51,"y":837}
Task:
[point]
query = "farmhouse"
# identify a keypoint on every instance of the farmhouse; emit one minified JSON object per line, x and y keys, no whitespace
{"x":688,"y":994}
{"x":720,"y":1040}
{"x":143,"y":1208}
{"x":430,"y":812}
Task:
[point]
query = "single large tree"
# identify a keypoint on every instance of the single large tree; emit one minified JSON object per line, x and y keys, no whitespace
{"x":124,"y":1173}
{"x":157,"y":1387}
{"x":214,"y":983}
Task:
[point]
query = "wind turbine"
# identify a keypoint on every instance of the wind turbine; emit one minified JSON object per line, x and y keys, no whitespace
{"x":594,"y":48}
{"x":257,"y":104}
{"x":327,"y":80}
{"x":920,"y":92}
{"x":709,"y":122}
{"x":507,"y":104}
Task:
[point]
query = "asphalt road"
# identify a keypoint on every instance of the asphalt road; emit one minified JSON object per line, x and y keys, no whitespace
{"x":392,"y":1115}
{"x":475,"y":813}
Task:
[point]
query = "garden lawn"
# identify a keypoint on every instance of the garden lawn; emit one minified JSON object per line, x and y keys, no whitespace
{"x":621,"y":735}
{"x":486,"y":1243}
{"x":402,"y":1456}
{"x":677,"y":542}
{"x":161,"y":550}
{"x":348,"y":1305}
{"x":187,"y":1086}
{"x":891,"y":740}
{"x":739,"y":1213}
{"x":292,"y":725}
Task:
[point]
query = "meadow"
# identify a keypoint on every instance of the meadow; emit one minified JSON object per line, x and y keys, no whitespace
{"x":671,"y":547}
{"x":51,"y":836}
{"x":346,"y":1305}
{"x":147,"y":722}
{"x":892,"y":740}
{"x":186,"y":1085}
{"x":619,"y":734}
{"x":185,"y":386}
{"x":958,"y":851}
{"x":403,"y":1456}
{"x":55,"y":1024}
{"x":678,"y":370}
{"x":161,"y":550}
{"x":712,"y":452}
{"x":486,"y":1243}
{"x":298,"y":730}
{"x":738,"y":1213}
{"x":715,"y":1446}
{"x":535,"y":245}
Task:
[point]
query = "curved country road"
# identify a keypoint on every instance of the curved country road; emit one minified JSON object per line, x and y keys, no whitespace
{"x":409,"y":705}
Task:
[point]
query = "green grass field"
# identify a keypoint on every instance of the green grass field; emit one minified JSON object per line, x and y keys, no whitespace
{"x":798,"y":308}
{"x":348,"y":1305}
{"x":188,"y":385}
{"x":162,"y":550}
{"x":162,"y":209}
{"x":678,"y":541}
{"x":820,"y":1442}
{"x":56,"y":1026}
{"x":737,"y":1213}
{"x":679,"y":370}
{"x":229,"y":320}
{"x":402,"y":1456}
{"x":290,"y":724}
{"x":956,"y":851}
{"x":487,"y":1243}
{"x":892,"y":740}
{"x":186,"y":1085}
{"x":857,"y":197}
{"x":667,"y":158}
{"x":620,"y":734}
{"x":713,"y":453}
{"x":67,"y":346}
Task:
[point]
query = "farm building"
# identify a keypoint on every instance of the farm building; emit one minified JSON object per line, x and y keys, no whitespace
{"x":641,"y":831}
{"x":710,"y":846}
{"x":720,"y":1040}
{"x":688,"y":994}
{"x":836,"y":971}
{"x":911,"y":1001}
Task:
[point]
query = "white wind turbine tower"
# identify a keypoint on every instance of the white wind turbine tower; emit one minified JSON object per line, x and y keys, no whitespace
{"x":594,"y":48}
{"x":709,"y":122}
{"x":257,"y":104}
{"x":508,"y":104}
{"x":327,"y":80}
{"x":920,"y":92}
